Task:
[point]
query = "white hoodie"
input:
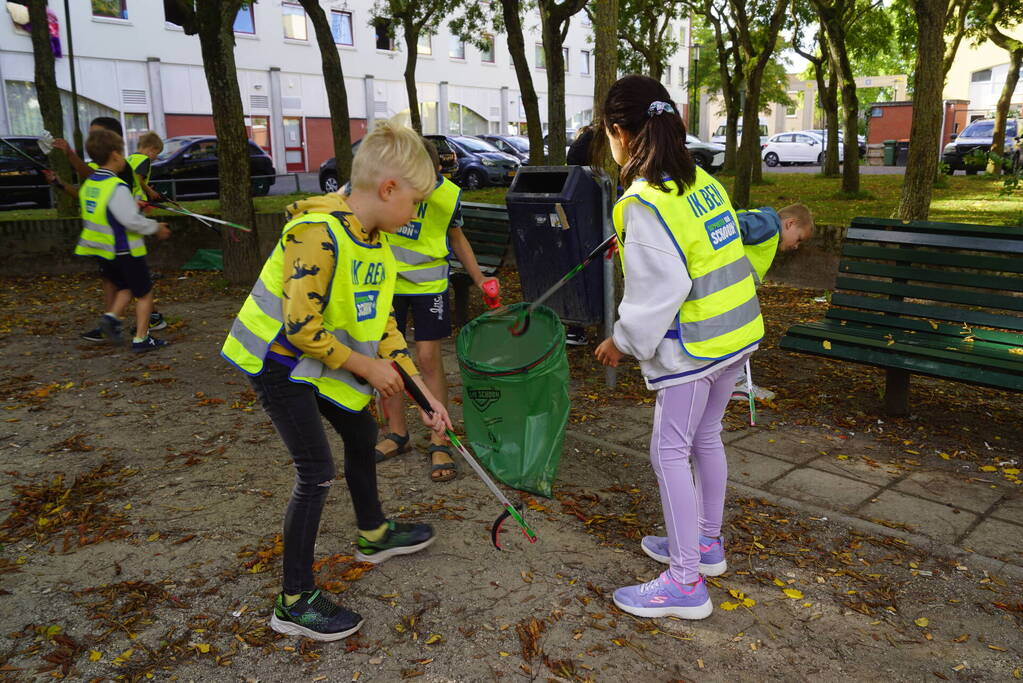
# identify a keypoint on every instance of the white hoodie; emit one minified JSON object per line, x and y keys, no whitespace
{"x":656,"y":283}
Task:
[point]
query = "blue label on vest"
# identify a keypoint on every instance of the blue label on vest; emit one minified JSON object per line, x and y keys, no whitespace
{"x":90,"y":206}
{"x":365,"y":305}
{"x":721,"y":229}
{"x":411,"y":230}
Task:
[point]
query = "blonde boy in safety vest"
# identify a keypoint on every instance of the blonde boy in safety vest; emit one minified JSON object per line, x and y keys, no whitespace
{"x":112,"y":231}
{"x":317,"y":336}
{"x":764,"y":233}
{"x":149,"y":147}
{"x":422,"y":249}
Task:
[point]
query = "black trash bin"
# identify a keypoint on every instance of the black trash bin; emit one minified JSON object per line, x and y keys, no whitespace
{"x":545,"y":249}
{"x":901,"y":152}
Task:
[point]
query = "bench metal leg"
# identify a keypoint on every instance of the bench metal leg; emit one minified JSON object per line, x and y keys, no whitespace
{"x":896,"y":392}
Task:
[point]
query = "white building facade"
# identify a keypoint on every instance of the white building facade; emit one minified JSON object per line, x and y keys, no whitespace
{"x":135,"y":66}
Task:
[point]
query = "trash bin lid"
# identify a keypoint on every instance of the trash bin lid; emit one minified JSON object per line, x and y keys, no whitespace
{"x":486,"y":345}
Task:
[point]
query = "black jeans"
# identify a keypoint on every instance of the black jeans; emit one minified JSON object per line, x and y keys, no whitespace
{"x":295,"y":410}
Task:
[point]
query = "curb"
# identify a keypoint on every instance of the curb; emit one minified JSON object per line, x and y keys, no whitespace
{"x":945,"y":550}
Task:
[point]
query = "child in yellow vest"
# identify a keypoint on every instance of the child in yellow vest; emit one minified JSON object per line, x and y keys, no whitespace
{"x":112,"y":232}
{"x":422,"y":248}
{"x":149,"y":147}
{"x":690,"y":315}
{"x":766,"y":232}
{"x":317,"y":336}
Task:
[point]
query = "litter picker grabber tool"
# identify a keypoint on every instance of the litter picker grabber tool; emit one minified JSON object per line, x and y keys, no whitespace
{"x":199,"y":216}
{"x":521,"y":323}
{"x":752,"y":400}
{"x":509,"y":510}
{"x":164,"y":199}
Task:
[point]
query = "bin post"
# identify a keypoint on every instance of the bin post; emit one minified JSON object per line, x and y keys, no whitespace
{"x":607,"y":229}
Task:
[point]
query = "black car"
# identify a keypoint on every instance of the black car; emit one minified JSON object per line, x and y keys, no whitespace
{"x":328,"y":169}
{"x":967,"y":152}
{"x":515,"y":145}
{"x":479,"y":163}
{"x":191,"y":161}
{"x":20,"y":179}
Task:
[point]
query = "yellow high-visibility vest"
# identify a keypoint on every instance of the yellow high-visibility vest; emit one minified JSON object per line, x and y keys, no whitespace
{"x":100,"y":230}
{"x":421,"y":247}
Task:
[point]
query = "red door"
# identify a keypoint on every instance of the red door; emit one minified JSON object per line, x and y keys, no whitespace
{"x":294,"y":144}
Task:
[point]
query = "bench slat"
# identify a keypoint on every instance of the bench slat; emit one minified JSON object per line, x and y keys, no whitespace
{"x":943,"y":294}
{"x":955,"y":331}
{"x":1007,"y":231}
{"x":998,"y":264}
{"x":980,"y":353}
{"x":964,"y":279}
{"x":931,"y":240}
{"x":915,"y":364}
{"x":958,"y":315}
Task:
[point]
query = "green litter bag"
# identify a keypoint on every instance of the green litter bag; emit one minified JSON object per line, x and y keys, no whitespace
{"x":515,"y":396}
{"x":206,"y":259}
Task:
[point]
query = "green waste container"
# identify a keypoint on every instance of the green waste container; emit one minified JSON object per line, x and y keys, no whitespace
{"x":515,"y":396}
{"x":889,"y":152}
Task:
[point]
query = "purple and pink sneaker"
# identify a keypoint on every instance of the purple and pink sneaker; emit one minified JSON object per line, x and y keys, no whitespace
{"x":712,"y":553}
{"x":665,"y":597}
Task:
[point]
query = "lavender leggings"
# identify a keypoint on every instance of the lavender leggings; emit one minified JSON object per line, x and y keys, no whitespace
{"x":687,"y":420}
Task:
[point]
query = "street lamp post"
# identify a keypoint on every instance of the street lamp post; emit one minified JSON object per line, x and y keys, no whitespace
{"x":76,"y":134}
{"x":694,"y":109}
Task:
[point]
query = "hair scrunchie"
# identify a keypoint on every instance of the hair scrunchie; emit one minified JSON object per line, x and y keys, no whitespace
{"x":657,"y":108}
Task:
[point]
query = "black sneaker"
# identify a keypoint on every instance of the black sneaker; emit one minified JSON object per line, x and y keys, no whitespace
{"x":156,"y":321}
{"x":111,"y":328}
{"x":576,"y":336}
{"x":95,"y":336}
{"x":150,"y":343}
{"x":400,"y":539}
{"x":314,"y":616}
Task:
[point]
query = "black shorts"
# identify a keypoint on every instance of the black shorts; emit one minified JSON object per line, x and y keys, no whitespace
{"x":431,"y":315}
{"x":128,"y":272}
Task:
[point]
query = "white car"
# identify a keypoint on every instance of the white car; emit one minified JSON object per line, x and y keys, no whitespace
{"x":795,"y":148}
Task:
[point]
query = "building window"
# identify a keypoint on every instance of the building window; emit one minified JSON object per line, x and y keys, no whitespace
{"x":244,"y":22}
{"x":793,"y":105}
{"x":114,"y":9}
{"x":585,"y":68}
{"x":681,"y":75}
{"x":667,"y":75}
{"x":294,"y":21}
{"x":487,"y":54}
{"x":457,"y":49}
{"x":425,"y":44}
{"x":341,"y":27}
{"x":977,"y":77}
{"x":541,"y":58}
{"x":564,"y":55}
{"x":383,"y":32}
{"x":876,"y":112}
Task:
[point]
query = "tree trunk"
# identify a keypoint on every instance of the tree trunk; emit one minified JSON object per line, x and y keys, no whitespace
{"x":337,"y":95}
{"x":605,"y":73}
{"x":749,"y":146}
{"x":411,"y":57}
{"x":48,"y":96}
{"x":242,"y":257}
{"x":556,"y":142}
{"x":732,"y":112}
{"x":527,"y":93}
{"x":1002,"y":111}
{"x":829,"y":103}
{"x":925,"y":131}
{"x":839,"y":59}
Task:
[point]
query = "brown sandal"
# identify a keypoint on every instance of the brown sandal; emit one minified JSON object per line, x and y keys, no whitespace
{"x":402,"y":443}
{"x":451,"y":467}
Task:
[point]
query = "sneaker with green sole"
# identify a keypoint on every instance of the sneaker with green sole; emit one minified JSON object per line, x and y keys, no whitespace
{"x":400,"y":539}
{"x":314,"y":616}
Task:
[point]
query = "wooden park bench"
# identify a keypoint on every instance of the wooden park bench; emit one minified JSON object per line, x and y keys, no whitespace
{"x":937,"y":299}
{"x":487,"y":228}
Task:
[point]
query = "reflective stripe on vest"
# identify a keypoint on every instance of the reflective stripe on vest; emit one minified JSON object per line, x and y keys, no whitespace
{"x":356,"y":313}
{"x":721,"y":315}
{"x":761,"y":256}
{"x":134,"y":160}
{"x":421,"y":248}
{"x":100,"y":230}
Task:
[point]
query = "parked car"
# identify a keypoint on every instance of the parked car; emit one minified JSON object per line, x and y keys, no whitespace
{"x":708,"y":155}
{"x":328,"y":169}
{"x":479,"y":163}
{"x":191,"y":161}
{"x":795,"y":148}
{"x":719,"y":135}
{"x":977,"y":136}
{"x":515,"y":145}
{"x":20,"y":179}
{"x":861,"y":141}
